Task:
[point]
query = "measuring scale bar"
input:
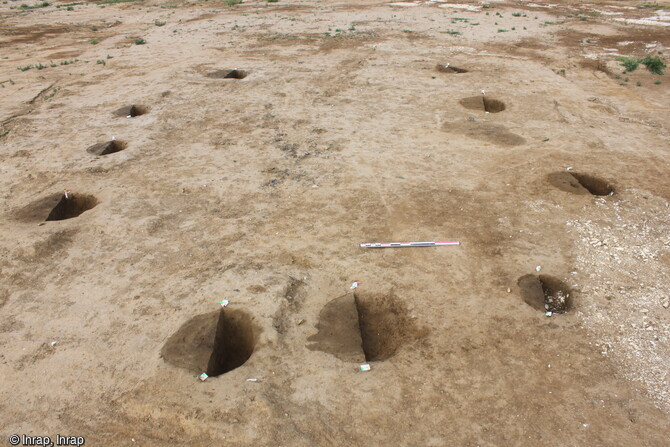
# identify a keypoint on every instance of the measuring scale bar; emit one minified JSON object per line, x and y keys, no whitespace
{"x":408,"y":244}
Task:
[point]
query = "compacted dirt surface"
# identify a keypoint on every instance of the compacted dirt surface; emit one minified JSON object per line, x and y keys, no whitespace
{"x":162,"y":159}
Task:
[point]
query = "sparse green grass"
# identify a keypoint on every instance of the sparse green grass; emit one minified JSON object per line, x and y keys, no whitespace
{"x":233,"y":2}
{"x":652,"y":6}
{"x":111,"y":2}
{"x":628,"y":63}
{"x":452,"y":32}
{"x":516,"y":14}
{"x":159,"y":23}
{"x":101,"y":62}
{"x":37,"y":6}
{"x":51,"y":95}
{"x":272,"y":1}
{"x":653,"y":64}
{"x":94,"y":41}
{"x":41,"y":66}
{"x":407,"y":31}
{"x":638,"y":83}
{"x":4,"y":132}
{"x":140,"y":41}
{"x":500,"y":30}
{"x":276,"y":36}
{"x":550,"y":23}
{"x":69,"y":8}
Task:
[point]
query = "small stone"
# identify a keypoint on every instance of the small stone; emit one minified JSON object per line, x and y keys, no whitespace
{"x":509,"y":290}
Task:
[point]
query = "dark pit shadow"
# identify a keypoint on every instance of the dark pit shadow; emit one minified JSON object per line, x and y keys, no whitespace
{"x":583,"y":184}
{"x":228,"y":74}
{"x":72,"y":206}
{"x":131,"y":111}
{"x":106,"y":148}
{"x":367,"y":327}
{"x":483,"y":103}
{"x":216,"y":343}
{"x":55,"y":207}
{"x":545,"y":293}
{"x":451,"y":69}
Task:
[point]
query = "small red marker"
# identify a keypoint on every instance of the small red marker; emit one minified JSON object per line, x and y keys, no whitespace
{"x":67,"y":191}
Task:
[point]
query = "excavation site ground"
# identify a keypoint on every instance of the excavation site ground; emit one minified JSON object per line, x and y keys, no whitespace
{"x":186,"y":185}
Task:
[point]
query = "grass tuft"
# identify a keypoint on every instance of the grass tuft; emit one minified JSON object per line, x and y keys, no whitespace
{"x":37,"y":6}
{"x":653,"y":64}
{"x":111,"y":2}
{"x":628,"y":63}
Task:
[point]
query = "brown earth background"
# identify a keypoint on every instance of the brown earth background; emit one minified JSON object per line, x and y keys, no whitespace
{"x":343,"y":126}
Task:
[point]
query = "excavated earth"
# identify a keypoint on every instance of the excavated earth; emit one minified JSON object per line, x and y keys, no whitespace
{"x":230,"y":154}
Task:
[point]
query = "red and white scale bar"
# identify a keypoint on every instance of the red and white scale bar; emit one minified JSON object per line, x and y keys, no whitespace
{"x":408,"y":244}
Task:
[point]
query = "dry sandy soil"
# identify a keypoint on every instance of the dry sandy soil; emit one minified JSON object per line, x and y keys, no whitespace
{"x":340,"y":126}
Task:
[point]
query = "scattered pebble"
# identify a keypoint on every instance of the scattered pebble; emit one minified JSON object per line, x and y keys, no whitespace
{"x":620,"y":249}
